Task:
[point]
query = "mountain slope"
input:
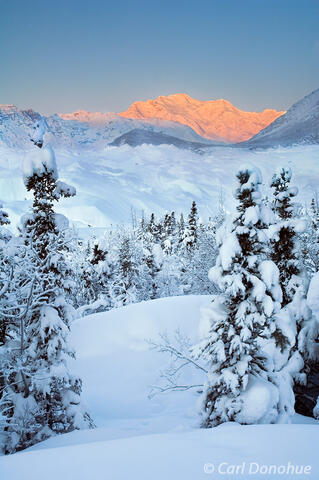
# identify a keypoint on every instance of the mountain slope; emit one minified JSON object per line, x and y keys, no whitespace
{"x":216,"y":119}
{"x":299,"y":125}
{"x":138,"y":136}
{"x":15,"y":126}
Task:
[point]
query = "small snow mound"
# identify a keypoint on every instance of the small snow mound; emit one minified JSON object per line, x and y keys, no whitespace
{"x":259,"y":402}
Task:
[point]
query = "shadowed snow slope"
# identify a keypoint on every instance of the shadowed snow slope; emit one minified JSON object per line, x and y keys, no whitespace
{"x":299,"y":125}
{"x":139,"y":438}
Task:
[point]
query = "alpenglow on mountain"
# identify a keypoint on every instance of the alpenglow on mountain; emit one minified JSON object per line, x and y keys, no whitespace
{"x":217,"y":120}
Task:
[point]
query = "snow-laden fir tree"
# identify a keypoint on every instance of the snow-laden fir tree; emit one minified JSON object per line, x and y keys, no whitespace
{"x":126,"y":280}
{"x":196,"y":266}
{"x":151,"y":265}
{"x":190,"y":234}
{"x":181,"y":228}
{"x":241,"y":316}
{"x":154,"y":229}
{"x":6,"y":272}
{"x":310,"y":239}
{"x":284,"y":250}
{"x":47,"y":396}
{"x":295,"y":317}
{"x":5,"y":269}
{"x":169,"y":232}
{"x":103,"y":260}
{"x":310,"y":395}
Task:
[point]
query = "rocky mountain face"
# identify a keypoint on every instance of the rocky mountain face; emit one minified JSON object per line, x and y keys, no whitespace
{"x":217,"y":120}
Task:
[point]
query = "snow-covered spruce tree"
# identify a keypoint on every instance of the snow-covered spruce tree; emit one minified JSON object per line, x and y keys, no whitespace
{"x":284,"y":251}
{"x":310,"y":397}
{"x":126,"y":280}
{"x":150,"y":267}
{"x":241,"y":315}
{"x":190,"y":234}
{"x":6,"y":274}
{"x":181,"y":228}
{"x":196,"y":266}
{"x":169,"y":233}
{"x":103,"y":261}
{"x":154,"y":229}
{"x":310,"y":240}
{"x":47,"y":395}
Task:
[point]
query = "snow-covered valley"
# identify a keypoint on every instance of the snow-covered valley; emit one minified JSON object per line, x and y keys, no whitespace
{"x":141,"y":438}
{"x":112,"y":182}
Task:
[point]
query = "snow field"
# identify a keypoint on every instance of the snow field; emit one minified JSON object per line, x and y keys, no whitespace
{"x":140,"y":438}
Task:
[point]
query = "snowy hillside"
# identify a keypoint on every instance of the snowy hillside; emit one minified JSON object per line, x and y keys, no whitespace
{"x":299,"y":125}
{"x":153,"y":179}
{"x":15,"y":126}
{"x":81,"y":131}
{"x":138,"y":437}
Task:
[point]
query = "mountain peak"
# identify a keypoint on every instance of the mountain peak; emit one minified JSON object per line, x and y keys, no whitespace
{"x":213,"y":119}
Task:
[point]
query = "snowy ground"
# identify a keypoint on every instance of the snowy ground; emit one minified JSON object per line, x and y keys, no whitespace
{"x":156,"y":439}
{"x":159,"y":179}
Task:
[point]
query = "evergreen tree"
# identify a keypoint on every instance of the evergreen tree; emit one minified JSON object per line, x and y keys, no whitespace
{"x":190,"y":235}
{"x":181,"y":228}
{"x":153,"y":229}
{"x":46,"y":397}
{"x":126,"y":283}
{"x":284,"y":252}
{"x":242,"y":314}
{"x":5,"y":271}
{"x":310,"y":240}
{"x":169,"y":233}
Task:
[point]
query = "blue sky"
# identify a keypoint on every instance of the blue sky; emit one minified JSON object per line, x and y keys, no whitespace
{"x":65,"y":55}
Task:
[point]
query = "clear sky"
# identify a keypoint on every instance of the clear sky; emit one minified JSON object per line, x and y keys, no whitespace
{"x":100,"y":55}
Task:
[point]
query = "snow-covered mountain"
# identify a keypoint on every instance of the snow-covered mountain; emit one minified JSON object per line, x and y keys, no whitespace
{"x":217,"y":120}
{"x":299,"y":125}
{"x":15,"y":125}
{"x":82,"y":130}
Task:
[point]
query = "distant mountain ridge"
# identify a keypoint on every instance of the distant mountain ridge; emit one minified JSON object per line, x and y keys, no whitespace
{"x":299,"y":125}
{"x":138,"y":136}
{"x":82,"y":130}
{"x":216,"y":120}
